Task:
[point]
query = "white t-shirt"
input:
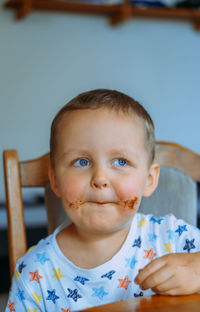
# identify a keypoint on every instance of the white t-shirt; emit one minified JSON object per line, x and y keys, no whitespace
{"x":45,"y":280}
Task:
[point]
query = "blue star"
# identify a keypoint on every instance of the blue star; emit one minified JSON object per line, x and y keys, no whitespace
{"x":189,"y":245}
{"x":81,"y":279}
{"x":181,"y":229}
{"x":21,"y":266}
{"x":52,"y":295}
{"x":171,"y":234}
{"x":73,"y":294}
{"x":152,"y":237}
{"x":41,"y":257}
{"x":156,"y":220}
{"x":109,"y":275}
{"x":140,"y":294}
{"x":20,"y":294}
{"x":131,"y":262}
{"x":99,"y":292}
{"x":137,"y":242}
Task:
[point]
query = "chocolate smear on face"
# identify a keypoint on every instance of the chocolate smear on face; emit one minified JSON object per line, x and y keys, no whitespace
{"x":129,"y":203}
{"x":76,"y":204}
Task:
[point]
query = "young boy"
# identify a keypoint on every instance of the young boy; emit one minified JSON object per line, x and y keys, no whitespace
{"x":102,"y":150}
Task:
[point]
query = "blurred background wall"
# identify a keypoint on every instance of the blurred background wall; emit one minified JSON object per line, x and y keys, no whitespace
{"x":48,"y":58}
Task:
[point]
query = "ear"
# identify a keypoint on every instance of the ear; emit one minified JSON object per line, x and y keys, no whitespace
{"x":52,"y":180}
{"x":152,"y":179}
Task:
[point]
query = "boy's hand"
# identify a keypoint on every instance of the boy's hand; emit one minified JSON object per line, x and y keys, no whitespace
{"x":173,"y":274}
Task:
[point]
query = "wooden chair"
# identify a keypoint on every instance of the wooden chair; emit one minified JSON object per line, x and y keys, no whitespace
{"x":34,"y":173}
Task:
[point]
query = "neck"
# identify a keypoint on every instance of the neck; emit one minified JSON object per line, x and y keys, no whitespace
{"x":96,"y":240}
{"x":88,"y":250}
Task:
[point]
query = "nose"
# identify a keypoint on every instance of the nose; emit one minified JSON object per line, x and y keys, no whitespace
{"x":99,"y":180}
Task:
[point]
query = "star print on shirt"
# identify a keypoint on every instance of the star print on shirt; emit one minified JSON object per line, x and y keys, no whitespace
{"x":21,"y":266}
{"x":130,"y":262}
{"x":74,"y":294}
{"x":66,"y":310}
{"x":109,"y":274}
{"x":11,"y":306}
{"x":99,"y":292}
{"x":52,"y":295}
{"x":181,"y":229}
{"x":189,"y":245}
{"x":168,"y":247}
{"x":37,"y":297}
{"x":137,"y":242}
{"x":142,"y":222}
{"x":156,"y":220}
{"x":124,"y":283}
{"x":17,"y":274}
{"x":35,"y":276}
{"x":20,"y":294}
{"x":57,"y":274}
{"x":140,"y":294}
{"x":171,"y":234}
{"x":41,"y":257}
{"x":32,"y":310}
{"x":81,"y":279}
{"x":152,"y":237}
{"x":149,"y":254}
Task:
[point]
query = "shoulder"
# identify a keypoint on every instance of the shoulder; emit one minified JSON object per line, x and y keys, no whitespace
{"x":169,"y":221}
{"x":35,"y":257}
{"x":172,"y":234}
{"x":40,"y":256}
{"x":150,"y":220}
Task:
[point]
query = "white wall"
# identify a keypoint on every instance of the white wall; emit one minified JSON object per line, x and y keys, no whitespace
{"x":46,"y":59}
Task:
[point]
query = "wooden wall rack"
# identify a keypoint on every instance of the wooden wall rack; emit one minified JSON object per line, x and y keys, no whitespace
{"x":116,"y":13}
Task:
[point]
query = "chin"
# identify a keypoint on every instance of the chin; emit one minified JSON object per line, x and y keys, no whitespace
{"x":105,"y":227}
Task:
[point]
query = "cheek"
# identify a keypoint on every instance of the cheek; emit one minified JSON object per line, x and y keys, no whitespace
{"x":73,"y":190}
{"x":125,"y":189}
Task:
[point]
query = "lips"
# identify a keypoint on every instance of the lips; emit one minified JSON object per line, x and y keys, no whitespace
{"x":100,"y":203}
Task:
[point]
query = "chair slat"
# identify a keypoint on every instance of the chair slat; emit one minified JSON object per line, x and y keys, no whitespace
{"x":35,"y":172}
{"x":177,"y":156}
{"x":15,"y":212}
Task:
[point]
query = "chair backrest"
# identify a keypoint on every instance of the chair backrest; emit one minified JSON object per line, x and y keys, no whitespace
{"x":34,"y":173}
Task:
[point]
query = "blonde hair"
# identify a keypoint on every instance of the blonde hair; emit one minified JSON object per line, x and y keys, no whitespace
{"x":111,"y":99}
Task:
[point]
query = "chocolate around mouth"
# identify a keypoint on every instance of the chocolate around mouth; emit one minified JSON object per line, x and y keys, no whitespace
{"x":129,"y":203}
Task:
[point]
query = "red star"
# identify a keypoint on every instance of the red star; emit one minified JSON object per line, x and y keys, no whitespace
{"x":35,"y":276}
{"x":149,"y":254}
{"x":11,"y":306}
{"x":124,"y":283}
{"x":68,"y":310}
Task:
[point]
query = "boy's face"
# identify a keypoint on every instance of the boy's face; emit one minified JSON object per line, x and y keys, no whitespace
{"x":101,"y":169}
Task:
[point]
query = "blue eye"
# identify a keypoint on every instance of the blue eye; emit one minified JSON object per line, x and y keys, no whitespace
{"x":120,"y":162}
{"x":81,"y":162}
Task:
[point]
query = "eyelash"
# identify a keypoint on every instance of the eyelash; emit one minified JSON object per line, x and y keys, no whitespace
{"x":121,"y":160}
{"x":86,"y":160}
{"x":80,"y":159}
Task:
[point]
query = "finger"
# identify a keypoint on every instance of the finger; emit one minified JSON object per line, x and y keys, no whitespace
{"x":149,"y":269}
{"x":157,"y":278}
{"x":166,"y":285}
{"x":171,"y":292}
{"x":174,"y":284}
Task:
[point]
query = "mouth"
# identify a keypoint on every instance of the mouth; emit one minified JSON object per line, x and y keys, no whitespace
{"x":100,"y":203}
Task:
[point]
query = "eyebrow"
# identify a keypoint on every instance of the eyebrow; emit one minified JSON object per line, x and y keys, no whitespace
{"x":75,"y":150}
{"x":125,"y":152}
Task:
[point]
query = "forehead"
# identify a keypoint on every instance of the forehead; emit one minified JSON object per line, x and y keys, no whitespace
{"x":105,"y":125}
